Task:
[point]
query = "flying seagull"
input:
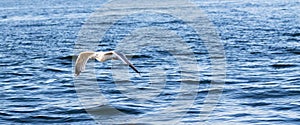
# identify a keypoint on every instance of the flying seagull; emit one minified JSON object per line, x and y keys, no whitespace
{"x":100,"y":56}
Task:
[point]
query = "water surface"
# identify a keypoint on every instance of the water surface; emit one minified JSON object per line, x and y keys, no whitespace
{"x":261,"y":42}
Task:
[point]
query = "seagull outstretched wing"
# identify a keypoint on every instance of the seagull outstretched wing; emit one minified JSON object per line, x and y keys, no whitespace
{"x":123,"y":58}
{"x":82,"y":60}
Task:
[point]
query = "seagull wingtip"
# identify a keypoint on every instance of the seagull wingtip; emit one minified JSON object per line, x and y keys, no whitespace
{"x":76,"y":74}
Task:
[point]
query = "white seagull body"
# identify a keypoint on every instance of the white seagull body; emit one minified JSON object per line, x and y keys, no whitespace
{"x":100,"y":56}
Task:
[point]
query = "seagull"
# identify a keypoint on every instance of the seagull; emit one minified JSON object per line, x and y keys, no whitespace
{"x":100,"y":56}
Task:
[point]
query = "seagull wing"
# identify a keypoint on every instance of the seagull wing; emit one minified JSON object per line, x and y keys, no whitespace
{"x":81,"y":61}
{"x":123,"y":58}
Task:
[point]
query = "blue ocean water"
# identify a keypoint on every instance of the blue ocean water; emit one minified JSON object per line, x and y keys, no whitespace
{"x":261,"y":43}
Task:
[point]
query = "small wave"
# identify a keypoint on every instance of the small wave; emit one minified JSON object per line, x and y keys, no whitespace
{"x":292,"y":34}
{"x":47,"y":118}
{"x":241,"y":115}
{"x":5,"y":114}
{"x":53,"y":70}
{"x":23,"y":99}
{"x":142,"y":56}
{"x":295,"y":51}
{"x":255,"y":104}
{"x":69,"y":111}
{"x":69,"y":57}
{"x":283,"y":65}
{"x":129,"y":110}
